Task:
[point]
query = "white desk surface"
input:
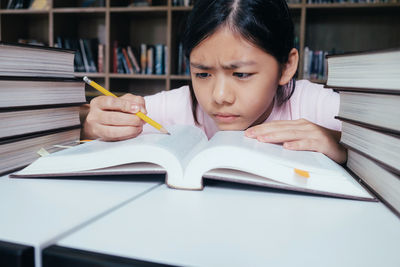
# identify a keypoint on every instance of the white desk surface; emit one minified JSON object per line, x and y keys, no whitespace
{"x":38,"y":212}
{"x":225,"y":226}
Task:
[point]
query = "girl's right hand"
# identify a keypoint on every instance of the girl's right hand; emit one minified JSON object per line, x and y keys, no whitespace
{"x":113,"y":119}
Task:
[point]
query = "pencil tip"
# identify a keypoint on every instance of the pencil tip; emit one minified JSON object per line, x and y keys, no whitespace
{"x":163,"y":130}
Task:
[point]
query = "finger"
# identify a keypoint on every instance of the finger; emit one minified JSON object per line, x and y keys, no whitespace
{"x":303,"y":144}
{"x":116,"y":133}
{"x":135,"y":99}
{"x":113,"y":103}
{"x":285,"y":136}
{"x":120,"y":119}
{"x":273,"y":126}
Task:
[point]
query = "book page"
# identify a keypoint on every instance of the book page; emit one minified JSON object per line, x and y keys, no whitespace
{"x":311,"y":161}
{"x":232,"y":150}
{"x":165,"y":150}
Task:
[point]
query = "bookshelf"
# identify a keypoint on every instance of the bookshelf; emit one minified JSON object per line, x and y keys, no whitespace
{"x":344,"y":26}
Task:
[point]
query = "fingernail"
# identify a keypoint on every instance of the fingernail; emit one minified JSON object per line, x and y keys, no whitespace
{"x":134,"y":108}
{"x":143,"y":110}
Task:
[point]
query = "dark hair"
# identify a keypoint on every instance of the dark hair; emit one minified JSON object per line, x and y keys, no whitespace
{"x":265,"y":23}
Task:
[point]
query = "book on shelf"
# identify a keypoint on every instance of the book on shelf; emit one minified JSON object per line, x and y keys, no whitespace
{"x":379,"y":146}
{"x":182,"y":2}
{"x":40,"y":5}
{"x":151,"y":59}
{"x":186,"y":156}
{"x":140,"y":3}
{"x":314,"y":64}
{"x":133,"y":59}
{"x":143,"y":57}
{"x":165,"y":59}
{"x":100,"y":58}
{"x":365,"y":71}
{"x":19,"y":4}
{"x":37,"y":61}
{"x":377,"y":178}
{"x":21,"y":151}
{"x":93,"y":3}
{"x":128,"y":63}
{"x":158,"y":59}
{"x":183,"y":66}
{"x":87,"y":55}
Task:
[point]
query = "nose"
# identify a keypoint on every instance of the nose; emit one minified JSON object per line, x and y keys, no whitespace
{"x":222,"y":92}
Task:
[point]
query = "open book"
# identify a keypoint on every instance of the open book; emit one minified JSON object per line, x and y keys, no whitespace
{"x":186,"y":156}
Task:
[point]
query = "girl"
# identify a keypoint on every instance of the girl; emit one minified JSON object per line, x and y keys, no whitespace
{"x":242,"y":64}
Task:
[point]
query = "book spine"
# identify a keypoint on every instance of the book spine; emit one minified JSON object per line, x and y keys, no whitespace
{"x":89,"y":54}
{"x":306,"y":71}
{"x":100,"y":58}
{"x":128,"y":63}
{"x":150,"y":60}
{"x":180,"y":59}
{"x":143,"y":57}
{"x":165,"y":59}
{"x":159,"y":59}
{"x":133,"y":59}
{"x":122,"y":68}
{"x":84,"y":56}
{"x":115,"y":57}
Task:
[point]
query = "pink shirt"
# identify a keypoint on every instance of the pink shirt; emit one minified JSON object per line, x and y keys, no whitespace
{"x":309,"y":101}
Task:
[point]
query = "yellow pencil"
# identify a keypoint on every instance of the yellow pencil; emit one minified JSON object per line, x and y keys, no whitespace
{"x":139,"y":114}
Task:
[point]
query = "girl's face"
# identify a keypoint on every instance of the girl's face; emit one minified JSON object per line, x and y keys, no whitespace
{"x":234,"y":81}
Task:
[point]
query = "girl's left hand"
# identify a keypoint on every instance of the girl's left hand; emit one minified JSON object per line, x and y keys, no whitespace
{"x":301,"y":135}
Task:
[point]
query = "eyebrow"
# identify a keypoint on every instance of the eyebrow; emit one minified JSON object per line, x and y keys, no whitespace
{"x":230,"y":66}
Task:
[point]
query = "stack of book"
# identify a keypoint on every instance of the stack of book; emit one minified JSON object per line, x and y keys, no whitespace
{"x":369,"y":87}
{"x":39,"y":103}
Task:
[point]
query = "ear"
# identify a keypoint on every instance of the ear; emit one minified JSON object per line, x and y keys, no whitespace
{"x":289,"y":69}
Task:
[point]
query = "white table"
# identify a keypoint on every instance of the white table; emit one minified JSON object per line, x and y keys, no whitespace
{"x":38,"y":212}
{"x":236,"y":226}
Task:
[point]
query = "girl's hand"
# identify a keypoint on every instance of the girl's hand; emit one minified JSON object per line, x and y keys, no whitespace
{"x":112,"y":119}
{"x":301,"y":135}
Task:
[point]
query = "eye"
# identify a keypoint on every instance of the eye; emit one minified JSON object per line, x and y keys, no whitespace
{"x":242,"y":75}
{"x":203,"y":75}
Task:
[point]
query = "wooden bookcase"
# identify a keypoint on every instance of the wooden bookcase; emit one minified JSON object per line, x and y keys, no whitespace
{"x":345,"y":27}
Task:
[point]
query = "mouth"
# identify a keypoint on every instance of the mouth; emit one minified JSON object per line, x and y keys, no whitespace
{"x":225,"y":117}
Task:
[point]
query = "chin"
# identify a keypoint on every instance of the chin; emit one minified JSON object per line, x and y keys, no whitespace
{"x":231,"y":127}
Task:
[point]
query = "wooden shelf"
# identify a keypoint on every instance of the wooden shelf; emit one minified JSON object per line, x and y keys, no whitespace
{"x":139,"y":9}
{"x":23,"y":11}
{"x":345,"y":26}
{"x":137,"y":76}
{"x":79,"y":10}
{"x":180,"y":77}
{"x":181,"y":8}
